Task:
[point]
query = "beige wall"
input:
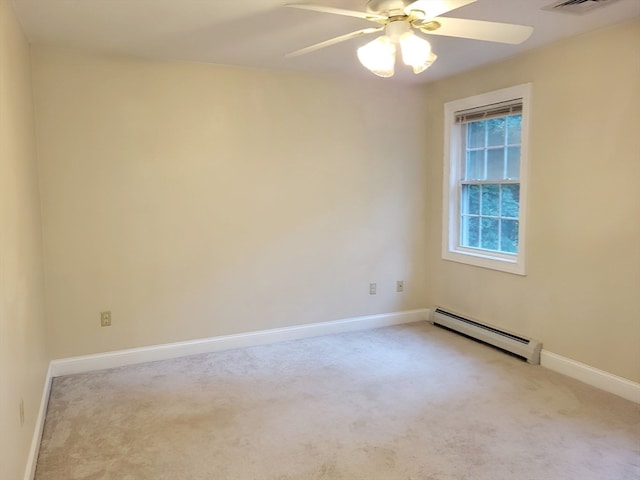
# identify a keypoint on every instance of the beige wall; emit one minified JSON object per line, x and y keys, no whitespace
{"x":195,"y":200}
{"x":23,"y":361}
{"x":581,"y":296}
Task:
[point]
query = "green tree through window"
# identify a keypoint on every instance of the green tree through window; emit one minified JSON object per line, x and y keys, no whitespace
{"x":490,"y":185}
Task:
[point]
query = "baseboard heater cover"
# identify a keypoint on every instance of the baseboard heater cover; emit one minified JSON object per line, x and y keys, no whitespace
{"x":522,"y":347}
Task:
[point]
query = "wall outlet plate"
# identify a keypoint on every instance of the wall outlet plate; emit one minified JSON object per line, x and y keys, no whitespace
{"x":105,"y":318}
{"x":372,"y":288}
{"x":400,"y":286}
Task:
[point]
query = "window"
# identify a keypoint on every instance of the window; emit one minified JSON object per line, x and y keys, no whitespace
{"x":485,"y":179}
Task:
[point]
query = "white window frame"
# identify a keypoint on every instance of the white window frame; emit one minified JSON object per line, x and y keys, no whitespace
{"x":453,"y":158}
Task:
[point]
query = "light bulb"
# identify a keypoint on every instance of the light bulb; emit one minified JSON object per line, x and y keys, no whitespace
{"x":379,"y":56}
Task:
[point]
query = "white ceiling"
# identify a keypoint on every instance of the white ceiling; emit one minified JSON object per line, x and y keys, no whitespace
{"x":257,"y":33}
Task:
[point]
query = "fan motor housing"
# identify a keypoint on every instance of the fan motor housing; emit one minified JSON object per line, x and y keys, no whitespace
{"x":387,"y":6}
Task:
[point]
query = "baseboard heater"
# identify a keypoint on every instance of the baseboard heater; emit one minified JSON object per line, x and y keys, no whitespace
{"x":525,"y":348}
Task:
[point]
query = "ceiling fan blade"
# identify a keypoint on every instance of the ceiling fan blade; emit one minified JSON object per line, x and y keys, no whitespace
{"x":433,"y":8}
{"x":333,"y":41}
{"x":476,"y":29}
{"x":339,"y":11}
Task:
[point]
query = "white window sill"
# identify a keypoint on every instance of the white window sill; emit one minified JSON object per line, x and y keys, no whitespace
{"x":486,"y":260}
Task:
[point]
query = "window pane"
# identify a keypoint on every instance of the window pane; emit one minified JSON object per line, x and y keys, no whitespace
{"x":475,"y":134}
{"x":510,"y":201}
{"x":471,"y":199}
{"x":470,"y":234}
{"x":475,"y":165}
{"x":490,"y":198}
{"x":509,"y":236}
{"x":495,"y":164}
{"x":513,"y":163}
{"x":489,"y":233}
{"x":496,"y":131}
{"x":514,"y":124}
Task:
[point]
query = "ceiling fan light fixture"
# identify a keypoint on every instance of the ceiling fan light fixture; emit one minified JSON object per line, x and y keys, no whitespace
{"x":379,"y":56}
{"x":398,"y":17}
{"x":416,"y":51}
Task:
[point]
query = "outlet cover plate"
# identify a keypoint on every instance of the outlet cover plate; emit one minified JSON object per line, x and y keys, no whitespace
{"x":105,"y":318}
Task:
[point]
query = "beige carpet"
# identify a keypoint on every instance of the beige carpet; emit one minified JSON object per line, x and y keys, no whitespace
{"x":412,"y":402}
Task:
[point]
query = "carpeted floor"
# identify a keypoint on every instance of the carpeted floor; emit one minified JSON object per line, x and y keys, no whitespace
{"x":412,"y":402}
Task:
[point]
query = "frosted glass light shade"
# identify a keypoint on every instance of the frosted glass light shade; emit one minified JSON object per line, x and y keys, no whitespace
{"x":416,"y":51}
{"x":423,"y":66}
{"x":379,"y":56}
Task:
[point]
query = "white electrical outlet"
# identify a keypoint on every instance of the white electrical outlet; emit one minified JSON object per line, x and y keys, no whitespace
{"x":372,"y":289}
{"x":400,"y":286}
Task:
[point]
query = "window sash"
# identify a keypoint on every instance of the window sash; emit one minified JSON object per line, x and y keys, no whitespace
{"x":501,"y":214}
{"x":485,"y":153}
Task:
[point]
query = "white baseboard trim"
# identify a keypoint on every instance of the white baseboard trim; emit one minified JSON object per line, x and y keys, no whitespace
{"x":32,"y":459}
{"x":592,"y":376}
{"x":87,"y":363}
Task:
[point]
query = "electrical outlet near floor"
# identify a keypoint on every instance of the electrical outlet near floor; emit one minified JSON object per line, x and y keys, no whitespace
{"x":372,"y":289}
{"x":400,"y":286}
{"x":105,"y":318}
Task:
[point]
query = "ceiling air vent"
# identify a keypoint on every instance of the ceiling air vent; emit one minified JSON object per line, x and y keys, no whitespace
{"x":577,"y":6}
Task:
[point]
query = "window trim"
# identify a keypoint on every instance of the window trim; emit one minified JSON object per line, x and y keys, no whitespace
{"x":451,"y":249}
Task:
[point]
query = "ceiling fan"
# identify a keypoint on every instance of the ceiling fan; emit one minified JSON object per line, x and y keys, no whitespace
{"x":398,"y":18}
